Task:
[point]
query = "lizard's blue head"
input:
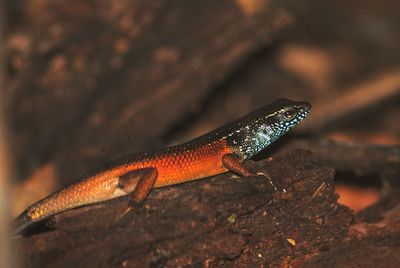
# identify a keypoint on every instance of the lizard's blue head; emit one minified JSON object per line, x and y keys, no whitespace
{"x":262,"y":127}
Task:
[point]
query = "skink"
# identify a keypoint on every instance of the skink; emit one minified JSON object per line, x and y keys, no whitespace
{"x":221,"y":150}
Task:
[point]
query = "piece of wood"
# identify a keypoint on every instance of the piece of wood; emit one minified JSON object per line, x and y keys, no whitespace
{"x":362,"y":159}
{"x":221,"y":221}
{"x":373,"y":239}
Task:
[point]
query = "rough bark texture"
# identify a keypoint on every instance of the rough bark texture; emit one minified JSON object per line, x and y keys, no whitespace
{"x":373,"y":239}
{"x":360,"y":158}
{"x":221,"y":221}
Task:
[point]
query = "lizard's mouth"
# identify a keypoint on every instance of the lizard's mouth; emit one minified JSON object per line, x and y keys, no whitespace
{"x":305,"y":109}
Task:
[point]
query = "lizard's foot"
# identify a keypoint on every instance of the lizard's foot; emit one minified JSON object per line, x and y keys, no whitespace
{"x":276,"y":194}
{"x":269,"y":179}
{"x":234,"y":176}
{"x":127,"y":210}
{"x":132,"y":206}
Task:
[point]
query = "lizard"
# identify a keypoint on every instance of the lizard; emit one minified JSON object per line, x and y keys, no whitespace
{"x":221,"y":150}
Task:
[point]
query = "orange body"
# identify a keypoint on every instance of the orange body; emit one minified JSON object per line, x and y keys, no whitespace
{"x":174,"y":165}
{"x":178,"y":166}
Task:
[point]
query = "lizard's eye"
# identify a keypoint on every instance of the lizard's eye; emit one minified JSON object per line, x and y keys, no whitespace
{"x":289,"y":113}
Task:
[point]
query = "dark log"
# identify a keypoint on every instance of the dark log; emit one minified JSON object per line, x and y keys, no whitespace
{"x":220,"y":221}
{"x":360,"y":158}
{"x":373,"y":239}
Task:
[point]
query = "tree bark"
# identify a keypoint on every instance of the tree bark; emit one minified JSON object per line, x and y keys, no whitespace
{"x":220,"y":221}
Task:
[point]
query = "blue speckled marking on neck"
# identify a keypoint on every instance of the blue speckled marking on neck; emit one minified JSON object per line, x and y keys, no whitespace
{"x":263,"y":128}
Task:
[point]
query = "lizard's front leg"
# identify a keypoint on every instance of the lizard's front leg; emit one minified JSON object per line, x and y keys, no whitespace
{"x":235,"y":164}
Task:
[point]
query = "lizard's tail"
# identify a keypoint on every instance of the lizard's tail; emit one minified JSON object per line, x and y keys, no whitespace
{"x":21,"y":223}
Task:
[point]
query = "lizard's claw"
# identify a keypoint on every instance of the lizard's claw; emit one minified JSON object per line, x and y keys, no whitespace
{"x":268,"y":177}
{"x":128,"y":209}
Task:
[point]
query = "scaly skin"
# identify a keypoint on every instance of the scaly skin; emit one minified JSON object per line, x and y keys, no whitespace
{"x":174,"y":166}
{"x":196,"y":159}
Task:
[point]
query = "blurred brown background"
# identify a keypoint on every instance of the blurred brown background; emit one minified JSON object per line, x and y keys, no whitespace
{"x":86,"y":82}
